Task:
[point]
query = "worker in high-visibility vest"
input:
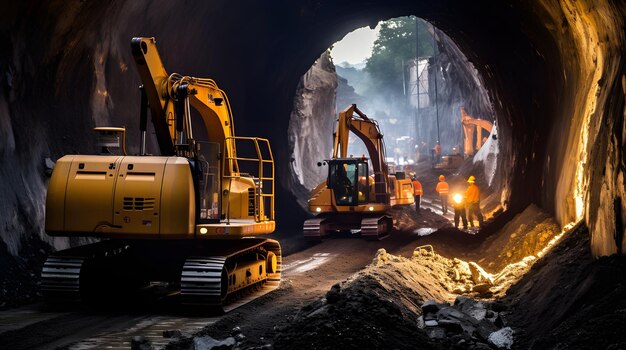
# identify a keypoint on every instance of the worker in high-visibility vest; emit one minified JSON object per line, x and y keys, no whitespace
{"x":472,"y":196}
{"x":442,"y":189}
{"x":417,"y":193}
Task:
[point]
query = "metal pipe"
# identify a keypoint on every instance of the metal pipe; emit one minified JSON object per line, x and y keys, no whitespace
{"x":143,"y":121}
{"x":436,"y":92}
{"x":417,"y":78}
{"x":181,"y":103}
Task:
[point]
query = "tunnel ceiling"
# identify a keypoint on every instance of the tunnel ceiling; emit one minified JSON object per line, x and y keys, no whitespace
{"x":554,"y":71}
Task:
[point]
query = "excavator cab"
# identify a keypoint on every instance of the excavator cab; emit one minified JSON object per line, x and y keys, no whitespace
{"x":348,"y":178}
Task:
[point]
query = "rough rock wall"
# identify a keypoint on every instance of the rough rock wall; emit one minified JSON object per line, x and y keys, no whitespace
{"x":311,"y":127}
{"x":591,"y":171}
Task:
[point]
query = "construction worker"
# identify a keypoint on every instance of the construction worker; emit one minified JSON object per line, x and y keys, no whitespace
{"x":437,"y":152}
{"x":442,"y":189}
{"x":472,"y":196}
{"x":458,"y":202}
{"x":417,"y":193}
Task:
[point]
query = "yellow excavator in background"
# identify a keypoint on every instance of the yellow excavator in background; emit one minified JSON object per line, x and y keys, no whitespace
{"x":473,"y":126}
{"x":350,"y":198}
{"x":187,"y":216}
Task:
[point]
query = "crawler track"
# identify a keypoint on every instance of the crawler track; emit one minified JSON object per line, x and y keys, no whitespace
{"x":210,"y":273}
{"x":371,"y":226}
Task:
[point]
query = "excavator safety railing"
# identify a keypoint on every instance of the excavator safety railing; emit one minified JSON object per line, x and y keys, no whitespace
{"x":264,"y":188}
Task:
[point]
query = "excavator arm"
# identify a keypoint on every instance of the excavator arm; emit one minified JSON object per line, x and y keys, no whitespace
{"x":170,"y":98}
{"x":369,"y":132}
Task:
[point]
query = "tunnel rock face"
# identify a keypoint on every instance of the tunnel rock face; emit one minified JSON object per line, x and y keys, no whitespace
{"x":591,"y":181}
{"x":311,"y":127}
{"x":553,"y":70}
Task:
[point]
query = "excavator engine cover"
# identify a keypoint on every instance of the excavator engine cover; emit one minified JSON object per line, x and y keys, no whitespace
{"x":121,"y":197}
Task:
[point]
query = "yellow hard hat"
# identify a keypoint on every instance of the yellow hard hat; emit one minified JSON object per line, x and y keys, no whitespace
{"x":471,"y":179}
{"x":442,"y":178}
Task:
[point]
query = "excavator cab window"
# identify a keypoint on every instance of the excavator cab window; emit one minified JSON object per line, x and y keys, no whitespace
{"x":345,"y":177}
{"x":208,"y":181}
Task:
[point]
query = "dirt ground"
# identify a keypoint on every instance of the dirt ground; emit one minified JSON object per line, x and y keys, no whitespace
{"x":566,"y":300}
{"x":543,"y":282}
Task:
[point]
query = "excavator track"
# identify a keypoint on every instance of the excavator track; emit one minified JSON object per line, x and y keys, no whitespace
{"x":76,"y":274}
{"x":376,"y":228}
{"x":315,"y":228}
{"x":372,"y":226}
{"x":60,"y":278}
{"x":218,"y":281}
{"x":231,"y":269}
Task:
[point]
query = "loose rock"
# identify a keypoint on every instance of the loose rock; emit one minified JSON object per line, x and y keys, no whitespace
{"x":502,"y":338}
{"x":208,"y":343}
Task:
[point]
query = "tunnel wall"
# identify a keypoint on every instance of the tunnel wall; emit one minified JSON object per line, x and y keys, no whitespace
{"x":554,"y":71}
{"x":589,"y":164}
{"x":311,"y":128}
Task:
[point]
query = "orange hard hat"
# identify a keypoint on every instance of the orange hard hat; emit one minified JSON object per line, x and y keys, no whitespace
{"x":442,"y":178}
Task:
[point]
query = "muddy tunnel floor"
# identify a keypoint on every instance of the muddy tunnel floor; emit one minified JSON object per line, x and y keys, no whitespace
{"x":540,"y":298}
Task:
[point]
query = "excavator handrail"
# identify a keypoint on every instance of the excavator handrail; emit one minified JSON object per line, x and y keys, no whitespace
{"x":261,"y":176}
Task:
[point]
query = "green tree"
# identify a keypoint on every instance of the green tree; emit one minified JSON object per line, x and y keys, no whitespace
{"x":395,"y":45}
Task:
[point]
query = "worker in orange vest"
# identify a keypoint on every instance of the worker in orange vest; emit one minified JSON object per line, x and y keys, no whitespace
{"x":472,"y":196}
{"x":417,"y":193}
{"x":442,"y":189}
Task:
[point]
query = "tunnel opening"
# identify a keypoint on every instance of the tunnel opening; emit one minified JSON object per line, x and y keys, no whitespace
{"x":420,"y":89}
{"x":502,"y":256}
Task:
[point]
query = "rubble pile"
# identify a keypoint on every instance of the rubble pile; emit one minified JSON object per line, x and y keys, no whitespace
{"x":571,"y":300}
{"x":467,"y":323}
{"x":406,"y":220}
{"x":417,"y":295}
{"x":525,"y":236}
{"x":19,"y":275}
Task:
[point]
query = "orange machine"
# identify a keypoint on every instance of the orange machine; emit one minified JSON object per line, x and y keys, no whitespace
{"x":351,"y":198}
{"x":188,"y":216}
{"x":473,"y":126}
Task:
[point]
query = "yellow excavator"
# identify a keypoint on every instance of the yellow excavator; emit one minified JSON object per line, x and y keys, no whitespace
{"x":188,"y":217}
{"x":351,"y":199}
